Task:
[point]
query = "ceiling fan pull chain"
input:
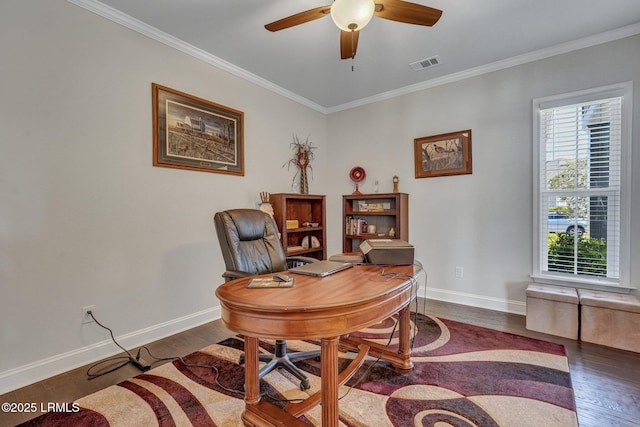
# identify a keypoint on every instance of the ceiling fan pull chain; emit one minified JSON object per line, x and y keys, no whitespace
{"x":353,"y":54}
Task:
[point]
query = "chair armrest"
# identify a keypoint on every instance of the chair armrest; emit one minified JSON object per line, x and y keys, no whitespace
{"x":292,"y":261}
{"x":231,"y":274}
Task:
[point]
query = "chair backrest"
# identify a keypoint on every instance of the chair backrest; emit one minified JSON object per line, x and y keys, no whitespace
{"x":249,"y":241}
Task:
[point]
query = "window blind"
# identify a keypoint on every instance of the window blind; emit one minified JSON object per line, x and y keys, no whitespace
{"x":579,"y":186}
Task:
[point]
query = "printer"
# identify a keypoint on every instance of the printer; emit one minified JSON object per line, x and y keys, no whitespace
{"x":387,"y":252}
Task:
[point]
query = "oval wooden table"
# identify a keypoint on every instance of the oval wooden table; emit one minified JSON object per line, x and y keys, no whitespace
{"x":328,"y":309}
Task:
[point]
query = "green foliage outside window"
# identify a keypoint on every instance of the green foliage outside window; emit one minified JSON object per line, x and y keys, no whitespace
{"x":591,"y":254}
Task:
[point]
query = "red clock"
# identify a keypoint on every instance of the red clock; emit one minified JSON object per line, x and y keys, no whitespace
{"x":357,"y":174}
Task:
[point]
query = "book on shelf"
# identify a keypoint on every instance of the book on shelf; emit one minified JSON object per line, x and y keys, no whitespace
{"x":349,"y":223}
{"x":355,"y":226}
{"x":364,"y":206}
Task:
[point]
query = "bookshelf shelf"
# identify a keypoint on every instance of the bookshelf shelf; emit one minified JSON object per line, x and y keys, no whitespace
{"x":304,"y":208}
{"x":385,"y":211}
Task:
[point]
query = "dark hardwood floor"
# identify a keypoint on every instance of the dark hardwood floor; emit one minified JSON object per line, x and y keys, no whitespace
{"x":606,"y":381}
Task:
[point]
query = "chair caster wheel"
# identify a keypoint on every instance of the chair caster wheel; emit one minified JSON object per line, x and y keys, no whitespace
{"x":305,"y":385}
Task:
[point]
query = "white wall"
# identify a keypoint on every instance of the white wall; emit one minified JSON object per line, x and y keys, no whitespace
{"x":84,"y":216}
{"x":483,"y":221}
{"x":85,"y":219}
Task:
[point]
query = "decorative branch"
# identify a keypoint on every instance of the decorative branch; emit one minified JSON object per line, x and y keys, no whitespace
{"x":302,"y":156}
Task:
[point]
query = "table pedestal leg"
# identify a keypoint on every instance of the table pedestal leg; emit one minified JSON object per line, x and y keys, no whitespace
{"x":329,"y":381}
{"x":251,"y":368}
{"x":401,"y":359}
{"x":404,"y":345}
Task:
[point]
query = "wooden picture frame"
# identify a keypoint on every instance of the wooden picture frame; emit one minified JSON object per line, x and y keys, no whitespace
{"x":442,"y":155}
{"x":196,"y":134}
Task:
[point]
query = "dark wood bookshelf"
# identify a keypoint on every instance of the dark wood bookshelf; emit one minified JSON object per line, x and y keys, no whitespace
{"x":386,"y":211}
{"x":306,"y":209}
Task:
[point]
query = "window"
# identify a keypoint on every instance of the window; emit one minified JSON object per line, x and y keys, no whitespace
{"x":581,"y":190}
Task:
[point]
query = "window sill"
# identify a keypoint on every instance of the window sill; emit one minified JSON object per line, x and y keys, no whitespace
{"x":585,"y":283}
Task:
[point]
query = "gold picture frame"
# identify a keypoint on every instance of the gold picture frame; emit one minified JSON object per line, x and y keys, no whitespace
{"x":196,"y":134}
{"x":443,"y":155}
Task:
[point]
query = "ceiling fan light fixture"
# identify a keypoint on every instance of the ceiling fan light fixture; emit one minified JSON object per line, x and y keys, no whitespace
{"x":352,"y":15}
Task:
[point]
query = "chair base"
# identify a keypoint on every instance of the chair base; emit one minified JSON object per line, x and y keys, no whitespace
{"x":280,"y":359}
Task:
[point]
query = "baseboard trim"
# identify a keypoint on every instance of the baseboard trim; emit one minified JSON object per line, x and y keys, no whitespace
{"x":481,"y":301}
{"x":33,"y":372}
{"x":42,"y":369}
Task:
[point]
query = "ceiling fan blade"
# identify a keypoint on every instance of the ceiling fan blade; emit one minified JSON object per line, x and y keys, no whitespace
{"x":299,"y":18}
{"x":348,"y":44}
{"x":410,"y":13}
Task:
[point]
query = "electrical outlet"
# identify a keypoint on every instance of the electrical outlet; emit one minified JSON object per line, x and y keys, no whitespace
{"x":459,"y":272}
{"x":86,"y":317}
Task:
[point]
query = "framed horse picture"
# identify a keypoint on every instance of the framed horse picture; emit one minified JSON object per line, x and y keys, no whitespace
{"x":196,"y":134}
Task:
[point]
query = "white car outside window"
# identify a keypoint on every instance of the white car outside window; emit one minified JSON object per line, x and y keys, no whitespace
{"x":560,"y":223}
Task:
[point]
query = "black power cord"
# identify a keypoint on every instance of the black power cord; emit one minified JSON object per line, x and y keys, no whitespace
{"x":129,"y":358}
{"x":144,"y":366}
{"x":372,"y":365}
{"x":141,"y":364}
{"x":414,"y":294}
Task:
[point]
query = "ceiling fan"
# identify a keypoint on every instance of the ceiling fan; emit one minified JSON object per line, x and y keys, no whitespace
{"x":352,"y":15}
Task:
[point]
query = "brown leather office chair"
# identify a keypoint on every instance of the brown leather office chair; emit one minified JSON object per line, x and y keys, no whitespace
{"x":250,"y":245}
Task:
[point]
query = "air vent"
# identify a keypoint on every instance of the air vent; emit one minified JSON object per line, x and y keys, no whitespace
{"x":425,"y":63}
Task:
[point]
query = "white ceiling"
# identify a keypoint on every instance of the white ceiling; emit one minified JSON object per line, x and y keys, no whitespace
{"x":473,"y":36}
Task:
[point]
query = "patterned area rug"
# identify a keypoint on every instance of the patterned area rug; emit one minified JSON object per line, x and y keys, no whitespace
{"x":463,"y":376}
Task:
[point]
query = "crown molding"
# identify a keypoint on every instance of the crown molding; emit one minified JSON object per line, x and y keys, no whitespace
{"x":619,"y":33}
{"x":167,"y":39}
{"x":138,"y":26}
